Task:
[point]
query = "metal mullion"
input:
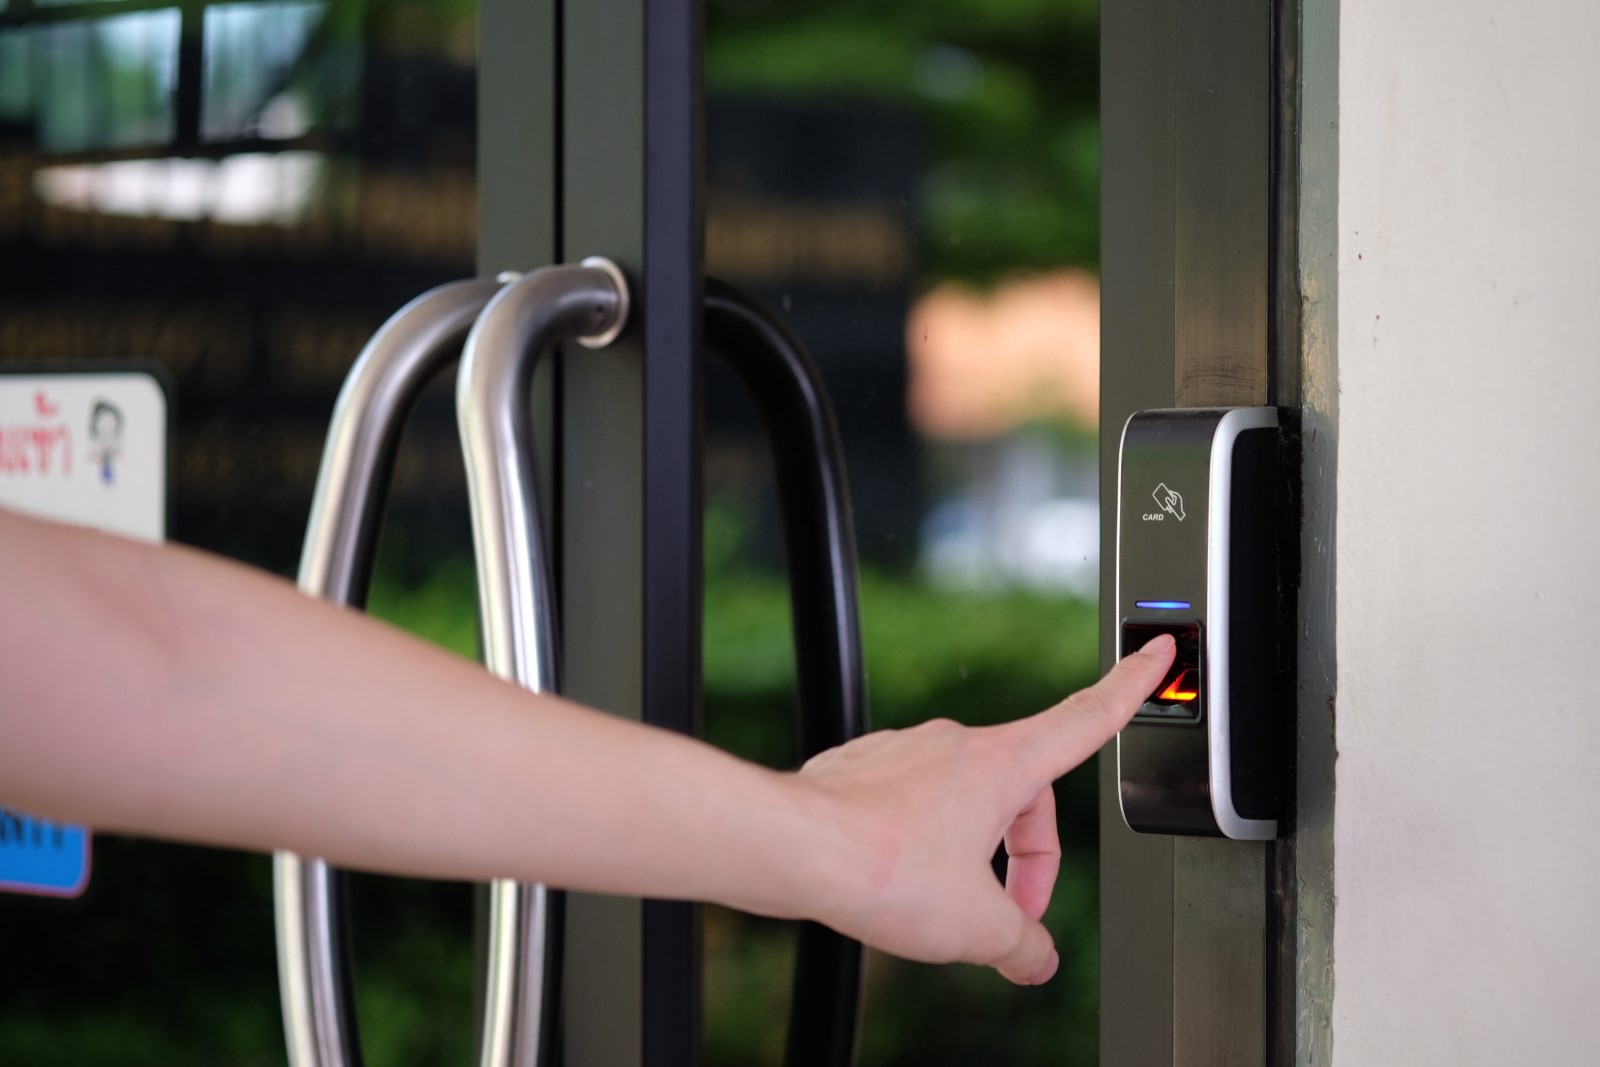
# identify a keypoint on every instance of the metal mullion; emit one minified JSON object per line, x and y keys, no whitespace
{"x":1283,"y":390}
{"x":1138,"y":71}
{"x":630,"y":181}
{"x":601,"y":520}
{"x":518,"y":182}
{"x":190,"y":85}
{"x":673,"y":325}
{"x":1188,"y":209}
{"x":1221,"y":288}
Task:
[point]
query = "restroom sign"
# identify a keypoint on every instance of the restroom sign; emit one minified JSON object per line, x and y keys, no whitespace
{"x":89,"y":448}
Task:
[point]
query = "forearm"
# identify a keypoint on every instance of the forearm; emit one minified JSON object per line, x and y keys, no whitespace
{"x":163,"y":692}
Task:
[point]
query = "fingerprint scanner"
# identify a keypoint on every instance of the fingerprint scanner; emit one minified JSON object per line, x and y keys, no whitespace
{"x":1181,"y":693}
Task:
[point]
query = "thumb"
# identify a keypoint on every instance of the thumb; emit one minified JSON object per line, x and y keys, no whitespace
{"x":1030,"y":956}
{"x":1075,"y":729}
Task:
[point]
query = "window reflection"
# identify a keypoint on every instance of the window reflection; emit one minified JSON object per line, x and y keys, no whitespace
{"x":102,"y":84}
{"x":247,"y":189}
{"x":262,"y":71}
{"x":912,"y":185}
{"x":239,"y":194}
{"x":252,"y":55}
{"x":16,"y":85}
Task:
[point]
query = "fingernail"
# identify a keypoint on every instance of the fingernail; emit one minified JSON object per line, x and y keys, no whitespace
{"x":1159,"y":645}
{"x":1049,"y":969}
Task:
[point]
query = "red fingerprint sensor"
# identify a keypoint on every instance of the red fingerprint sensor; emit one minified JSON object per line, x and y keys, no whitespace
{"x":1181,"y":694}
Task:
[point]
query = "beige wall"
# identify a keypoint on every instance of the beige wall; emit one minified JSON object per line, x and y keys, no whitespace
{"x":1467,"y":811}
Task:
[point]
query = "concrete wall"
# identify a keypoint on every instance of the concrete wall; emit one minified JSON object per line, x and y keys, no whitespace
{"x":1467,"y":812}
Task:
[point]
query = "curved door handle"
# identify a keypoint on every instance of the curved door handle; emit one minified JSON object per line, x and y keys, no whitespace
{"x":585,"y":303}
{"x":406,"y":353}
{"x":818,"y":535}
{"x":516,"y":603}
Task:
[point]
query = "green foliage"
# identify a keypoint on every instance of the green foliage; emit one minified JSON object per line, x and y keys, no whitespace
{"x":440,"y":606}
{"x":414,"y":966}
{"x":1007,"y":91}
{"x":975,"y":656}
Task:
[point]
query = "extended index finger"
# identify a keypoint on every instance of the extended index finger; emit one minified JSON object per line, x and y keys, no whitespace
{"x":1069,"y":733}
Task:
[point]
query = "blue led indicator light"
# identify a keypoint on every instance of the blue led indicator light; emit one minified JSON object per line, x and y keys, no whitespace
{"x":1162,"y":605}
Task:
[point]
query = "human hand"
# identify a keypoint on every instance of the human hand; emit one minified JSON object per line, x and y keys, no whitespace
{"x":924,"y":810}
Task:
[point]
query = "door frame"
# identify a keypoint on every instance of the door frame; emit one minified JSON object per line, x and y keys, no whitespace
{"x":1214,"y":230}
{"x":590,"y":129}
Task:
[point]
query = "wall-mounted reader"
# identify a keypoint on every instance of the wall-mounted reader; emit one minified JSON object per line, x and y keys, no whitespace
{"x":1199,"y":492}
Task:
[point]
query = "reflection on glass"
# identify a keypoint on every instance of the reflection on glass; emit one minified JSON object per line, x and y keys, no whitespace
{"x":16,"y":88}
{"x":915,"y":187}
{"x":252,"y":54}
{"x":247,"y":189}
{"x":106,"y":83}
{"x":252,"y":278}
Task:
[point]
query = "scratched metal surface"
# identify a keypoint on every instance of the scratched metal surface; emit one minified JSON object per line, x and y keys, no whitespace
{"x":1201,"y":939}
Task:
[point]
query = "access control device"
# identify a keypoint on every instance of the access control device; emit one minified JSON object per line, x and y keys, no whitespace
{"x":1199,"y":493}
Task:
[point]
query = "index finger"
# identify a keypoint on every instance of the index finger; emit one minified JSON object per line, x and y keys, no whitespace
{"x":1075,"y":729}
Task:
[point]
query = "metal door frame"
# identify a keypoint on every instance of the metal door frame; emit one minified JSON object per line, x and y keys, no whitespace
{"x":1218,"y":177}
{"x":589,"y":144}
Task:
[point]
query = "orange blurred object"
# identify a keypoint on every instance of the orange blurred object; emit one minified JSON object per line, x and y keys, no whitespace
{"x":984,"y":364}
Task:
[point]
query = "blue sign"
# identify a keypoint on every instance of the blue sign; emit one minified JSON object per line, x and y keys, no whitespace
{"x":38,"y":856}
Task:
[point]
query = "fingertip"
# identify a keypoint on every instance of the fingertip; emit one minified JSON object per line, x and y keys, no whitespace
{"x":1161,"y":646}
{"x":1076,"y":728}
{"x":1032,"y":959}
{"x":1048,"y":971}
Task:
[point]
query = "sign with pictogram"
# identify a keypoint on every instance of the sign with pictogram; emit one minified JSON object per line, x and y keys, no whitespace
{"x":87,"y":448}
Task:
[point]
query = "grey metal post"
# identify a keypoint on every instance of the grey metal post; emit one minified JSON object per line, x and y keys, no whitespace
{"x":1196,"y":222}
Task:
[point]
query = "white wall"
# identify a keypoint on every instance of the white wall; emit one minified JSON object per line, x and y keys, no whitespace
{"x":1467,"y":812}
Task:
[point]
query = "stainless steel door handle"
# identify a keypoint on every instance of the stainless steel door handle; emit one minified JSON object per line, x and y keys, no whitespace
{"x":336,"y":564}
{"x":819,"y":541}
{"x":586,"y":303}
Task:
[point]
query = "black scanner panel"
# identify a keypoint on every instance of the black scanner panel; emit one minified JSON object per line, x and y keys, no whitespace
{"x":1199,"y":532}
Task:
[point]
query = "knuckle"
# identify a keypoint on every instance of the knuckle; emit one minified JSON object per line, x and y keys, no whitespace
{"x":993,"y":943}
{"x":1092,"y":706}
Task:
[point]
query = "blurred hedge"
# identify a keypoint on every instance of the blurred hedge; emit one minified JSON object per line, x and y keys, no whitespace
{"x":974,"y":656}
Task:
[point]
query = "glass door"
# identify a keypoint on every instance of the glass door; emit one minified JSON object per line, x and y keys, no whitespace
{"x":241,"y":192}
{"x":914,"y":188}
{"x":238,"y":194}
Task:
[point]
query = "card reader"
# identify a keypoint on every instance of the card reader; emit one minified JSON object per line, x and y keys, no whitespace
{"x":1199,"y":492}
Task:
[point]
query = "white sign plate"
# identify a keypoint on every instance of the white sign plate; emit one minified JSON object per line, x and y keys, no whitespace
{"x":89,"y":449}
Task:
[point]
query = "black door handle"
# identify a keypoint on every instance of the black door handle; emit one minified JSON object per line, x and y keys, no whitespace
{"x":819,"y":538}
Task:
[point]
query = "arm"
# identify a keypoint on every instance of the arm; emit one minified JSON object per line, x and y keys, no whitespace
{"x":160,"y":691}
